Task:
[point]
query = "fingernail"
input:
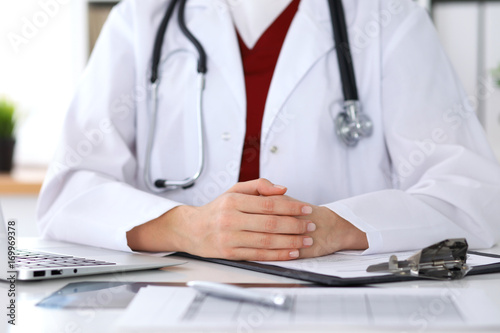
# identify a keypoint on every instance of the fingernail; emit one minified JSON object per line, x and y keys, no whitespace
{"x":280,"y":187}
{"x":308,"y":241}
{"x":311,"y":227}
{"x":294,"y":254}
{"x":307,"y":210}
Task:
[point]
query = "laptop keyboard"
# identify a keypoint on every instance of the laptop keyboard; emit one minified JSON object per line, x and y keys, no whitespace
{"x":33,"y":260}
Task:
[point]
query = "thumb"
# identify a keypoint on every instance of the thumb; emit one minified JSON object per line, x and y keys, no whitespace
{"x":266,"y":188}
{"x":258,"y":187}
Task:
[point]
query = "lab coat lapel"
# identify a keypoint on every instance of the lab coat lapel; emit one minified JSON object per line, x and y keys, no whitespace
{"x":308,"y":39}
{"x":214,"y":28}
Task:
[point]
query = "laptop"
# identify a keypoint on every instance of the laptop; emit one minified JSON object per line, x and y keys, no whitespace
{"x":59,"y":260}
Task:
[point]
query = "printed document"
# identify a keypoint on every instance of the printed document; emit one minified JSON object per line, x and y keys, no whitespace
{"x":180,"y":308}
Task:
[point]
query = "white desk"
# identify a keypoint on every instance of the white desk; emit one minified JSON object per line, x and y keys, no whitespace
{"x":35,"y":319}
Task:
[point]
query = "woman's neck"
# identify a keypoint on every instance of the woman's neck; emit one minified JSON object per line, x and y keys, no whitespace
{"x":253,"y":17}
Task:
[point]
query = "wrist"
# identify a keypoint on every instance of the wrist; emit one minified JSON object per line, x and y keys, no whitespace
{"x":161,"y":234}
{"x":177,"y":223}
{"x":354,"y":238}
{"x":348,"y":237}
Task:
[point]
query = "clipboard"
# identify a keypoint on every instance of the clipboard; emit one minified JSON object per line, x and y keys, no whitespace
{"x":335,"y":281}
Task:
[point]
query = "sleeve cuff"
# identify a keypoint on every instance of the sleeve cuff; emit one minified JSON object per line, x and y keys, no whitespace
{"x":120,"y":240}
{"x":374,"y":237}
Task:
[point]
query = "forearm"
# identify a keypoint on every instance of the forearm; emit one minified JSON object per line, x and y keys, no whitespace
{"x":159,"y":235}
{"x":395,"y":220}
{"x":86,"y":207}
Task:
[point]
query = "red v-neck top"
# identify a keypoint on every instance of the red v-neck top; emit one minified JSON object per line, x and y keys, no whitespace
{"x":258,"y":65}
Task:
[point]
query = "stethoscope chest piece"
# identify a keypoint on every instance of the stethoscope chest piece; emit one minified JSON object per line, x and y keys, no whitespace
{"x":352,"y":124}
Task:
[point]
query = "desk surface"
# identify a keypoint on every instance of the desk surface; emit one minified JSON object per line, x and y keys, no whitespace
{"x":22,"y":181}
{"x":34,"y":319}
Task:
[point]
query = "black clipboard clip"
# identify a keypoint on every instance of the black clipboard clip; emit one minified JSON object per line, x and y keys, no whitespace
{"x":446,"y":260}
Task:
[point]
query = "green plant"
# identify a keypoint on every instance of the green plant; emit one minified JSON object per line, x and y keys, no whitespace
{"x":7,"y":119}
{"x":496,"y":75}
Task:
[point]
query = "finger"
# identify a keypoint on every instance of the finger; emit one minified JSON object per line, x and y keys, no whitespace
{"x":259,"y":240}
{"x":258,"y":187}
{"x":274,"y":205}
{"x":261,"y":254}
{"x":275,"y":224}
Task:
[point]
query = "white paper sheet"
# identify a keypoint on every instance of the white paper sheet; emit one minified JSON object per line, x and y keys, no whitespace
{"x":179,"y":308}
{"x":348,"y":265}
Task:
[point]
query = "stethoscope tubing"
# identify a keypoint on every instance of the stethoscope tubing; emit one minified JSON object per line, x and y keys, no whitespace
{"x":162,"y":185}
{"x":351,"y":125}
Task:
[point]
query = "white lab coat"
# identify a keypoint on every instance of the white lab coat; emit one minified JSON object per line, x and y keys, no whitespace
{"x":425,"y":175}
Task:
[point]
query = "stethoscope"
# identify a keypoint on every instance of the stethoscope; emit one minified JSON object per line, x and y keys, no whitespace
{"x":351,"y":124}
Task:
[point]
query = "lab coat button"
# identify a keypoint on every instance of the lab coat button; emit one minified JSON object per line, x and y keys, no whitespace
{"x":226,"y":136}
{"x":273,"y":149}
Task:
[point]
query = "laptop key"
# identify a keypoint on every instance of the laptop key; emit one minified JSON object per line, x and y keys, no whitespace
{"x":35,"y":260}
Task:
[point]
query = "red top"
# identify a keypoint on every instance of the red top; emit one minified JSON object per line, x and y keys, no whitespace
{"x":258,"y":65}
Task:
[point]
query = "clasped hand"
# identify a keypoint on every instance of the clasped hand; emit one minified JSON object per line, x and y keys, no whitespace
{"x":255,"y":220}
